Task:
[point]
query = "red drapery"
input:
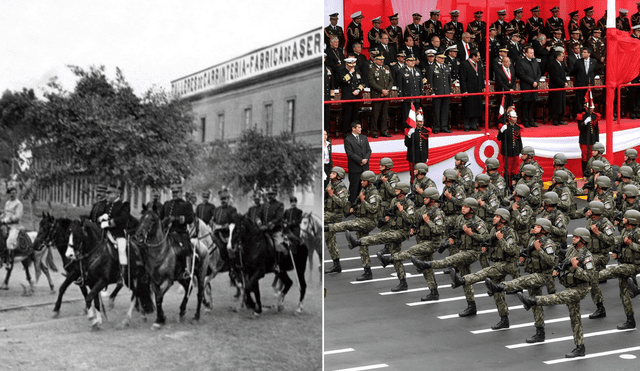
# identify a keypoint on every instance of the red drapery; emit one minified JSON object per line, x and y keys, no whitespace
{"x":626,"y":64}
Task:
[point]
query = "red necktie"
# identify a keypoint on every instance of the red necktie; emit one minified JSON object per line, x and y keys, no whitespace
{"x":467,"y":47}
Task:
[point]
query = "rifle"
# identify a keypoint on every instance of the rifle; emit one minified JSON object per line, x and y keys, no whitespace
{"x":488,"y":243}
{"x":451,"y":190}
{"x":566,"y":263}
{"x":444,"y":244}
{"x":390,"y":212}
{"x":618,"y":217}
{"x":525,"y":252}
{"x":589,"y":185}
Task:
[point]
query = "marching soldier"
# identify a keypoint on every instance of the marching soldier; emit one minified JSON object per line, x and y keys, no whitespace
{"x":535,"y":25}
{"x":576,"y":274}
{"x":601,"y":243}
{"x":457,"y":27}
{"x":502,"y":250}
{"x":333,"y":30}
{"x":589,"y":187}
{"x":559,"y":162}
{"x":539,"y":257}
{"x":529,"y":179}
{"x":554,"y":23}
{"x":354,"y":30}
{"x":625,"y":173}
{"x":528,"y":154}
{"x":597,"y":152}
{"x":367,"y":210}
{"x":429,"y":229}
{"x":394,"y":31}
{"x":630,"y":156}
{"x":492,"y":165}
{"x":399,"y":217}
{"x":415,"y":31}
{"x":204,"y":211}
{"x":180,"y":213}
{"x":622,"y":22}
{"x":561,"y":186}
{"x":557,"y":231}
{"x":465,"y":174}
{"x":627,"y":252}
{"x":421,"y":182}
{"x":587,"y":23}
{"x":472,"y":231}
{"x":487,"y":204}
{"x":386,"y":182}
{"x":336,"y":204}
{"x":522,"y":215}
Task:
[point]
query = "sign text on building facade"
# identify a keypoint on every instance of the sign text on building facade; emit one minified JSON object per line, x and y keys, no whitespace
{"x":274,"y":57}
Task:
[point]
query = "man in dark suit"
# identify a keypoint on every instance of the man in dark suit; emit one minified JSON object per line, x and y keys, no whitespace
{"x":351,"y":85}
{"x":505,"y":81}
{"x":335,"y":56}
{"x":584,"y":71}
{"x":417,"y":143}
{"x":388,"y":51}
{"x":529,"y":74}
{"x":472,"y":81}
{"x":557,"y":79}
{"x":114,"y":221}
{"x":410,"y":83}
{"x":381,"y":82}
{"x":464,"y":46}
{"x":409,"y":47}
{"x":333,"y":30}
{"x":358,"y":153}
{"x":541,"y":52}
{"x":362,"y":63}
{"x":439,"y":76}
{"x":573,"y":53}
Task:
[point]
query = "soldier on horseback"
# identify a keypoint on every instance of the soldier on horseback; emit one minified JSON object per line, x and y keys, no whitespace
{"x":179,"y":213}
{"x":223,"y":215}
{"x":205,"y":210}
{"x":254,"y":211}
{"x":114,"y":222}
{"x":101,"y":203}
{"x":155,"y":203}
{"x":272,"y":220}
{"x":11,"y":217}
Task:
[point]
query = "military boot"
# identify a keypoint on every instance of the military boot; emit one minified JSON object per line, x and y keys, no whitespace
{"x":336,"y":267}
{"x":456,"y":279}
{"x":385,"y":259}
{"x":470,"y":310}
{"x":633,"y":288}
{"x":538,"y":337}
{"x":366,"y":275}
{"x":528,"y":301}
{"x":385,"y":250}
{"x":579,"y":351}
{"x":631,"y":323}
{"x":123,"y":272}
{"x":433,"y":295}
{"x":420,"y":265}
{"x":352,"y":242}
{"x":402,"y":286}
{"x":599,"y":313}
{"x":326,"y":228}
{"x":504,"y":323}
{"x":492,"y":287}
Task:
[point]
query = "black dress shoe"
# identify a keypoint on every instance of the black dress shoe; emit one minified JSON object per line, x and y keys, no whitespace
{"x":466,"y":129}
{"x":436,"y":131}
{"x":556,"y":124}
{"x":563,"y":123}
{"x":386,"y":135}
{"x":526,"y":125}
{"x":447,"y":131}
{"x":375,"y":135}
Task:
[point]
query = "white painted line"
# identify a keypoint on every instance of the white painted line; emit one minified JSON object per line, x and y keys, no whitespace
{"x":449,"y":316}
{"x":374,"y":267}
{"x":408,"y":275}
{"x":362,"y":368}
{"x":594,"y":355}
{"x":521,"y":325}
{"x":337,"y":351}
{"x":352,"y":258}
{"x":422,"y":289}
{"x":455,"y":298}
{"x":566,"y":338}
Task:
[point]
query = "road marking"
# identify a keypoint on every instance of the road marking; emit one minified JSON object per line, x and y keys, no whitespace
{"x":337,"y":351}
{"x":352,"y":258}
{"x":362,"y":368}
{"x":484,"y":331}
{"x":449,"y":316}
{"x":455,"y":298}
{"x":593,"y":355}
{"x":408,"y":275}
{"x":390,"y":266}
{"x":421,"y":289}
{"x":565,"y":338}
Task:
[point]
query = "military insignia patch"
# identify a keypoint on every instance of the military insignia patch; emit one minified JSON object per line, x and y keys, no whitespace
{"x":535,"y":191}
{"x":459,"y":195}
{"x":347,"y":78}
{"x":549,"y":250}
{"x":559,"y":223}
{"x":438,"y":220}
{"x":608,"y":230}
{"x":524,"y":212}
{"x":410,"y":210}
{"x":589,"y":265}
{"x":607,"y":205}
{"x":372,"y":199}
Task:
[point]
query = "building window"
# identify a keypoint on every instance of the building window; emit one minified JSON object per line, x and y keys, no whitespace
{"x":289,"y":114}
{"x":203,"y":127}
{"x":268,"y":115}
{"x":247,"y":118}
{"x":221,"y":126}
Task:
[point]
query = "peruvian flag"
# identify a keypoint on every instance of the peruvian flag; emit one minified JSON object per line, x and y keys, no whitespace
{"x":411,"y":122}
{"x":501,"y":108}
{"x":588,"y":97}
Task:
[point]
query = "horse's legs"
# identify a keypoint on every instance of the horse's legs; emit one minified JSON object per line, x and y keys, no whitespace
{"x":71,"y":277}
{"x":94,"y":296}
{"x":284,"y":277}
{"x":45,"y":270}
{"x":160,"y":290}
{"x":253,"y":285}
{"x":112,"y":297}
{"x":301,"y":266}
{"x":27,"y":292}
{"x":185,"y":298}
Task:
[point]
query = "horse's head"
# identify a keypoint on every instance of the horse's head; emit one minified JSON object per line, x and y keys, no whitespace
{"x":80,"y":233}
{"x":309,"y":227}
{"x":148,"y":226}
{"x":46,"y":231}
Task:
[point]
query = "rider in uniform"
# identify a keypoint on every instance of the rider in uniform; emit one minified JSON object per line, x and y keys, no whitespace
{"x":223,"y":215}
{"x":179,"y":214}
{"x":272,"y":214}
{"x":114,"y":221}
{"x":204,"y":211}
{"x":254,"y":211}
{"x":11,"y":217}
{"x":98,"y":207}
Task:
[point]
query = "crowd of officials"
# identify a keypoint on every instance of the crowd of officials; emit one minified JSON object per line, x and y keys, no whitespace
{"x":504,"y":222}
{"x":429,"y":58}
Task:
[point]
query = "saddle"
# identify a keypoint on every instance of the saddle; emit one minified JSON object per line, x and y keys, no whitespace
{"x":277,"y":247}
{"x":25,"y":245}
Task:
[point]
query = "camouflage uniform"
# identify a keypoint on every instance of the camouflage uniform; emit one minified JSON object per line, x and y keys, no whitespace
{"x":599,"y":247}
{"x":608,"y":171}
{"x":606,"y":197}
{"x":423,"y":183}
{"x":636,"y":170}
{"x":466,"y":179}
{"x":539,"y":264}
{"x":451,"y":207}
{"x":535,"y":189}
{"x":397,"y":231}
{"x":538,"y":177}
{"x":387,"y":191}
{"x":498,"y":181}
{"x":566,"y":204}
{"x":334,"y":208}
{"x":428,"y":237}
{"x":572,"y":180}
{"x":469,"y":249}
{"x":635,"y":205}
{"x":577,"y":281}
{"x":503,"y":257}
{"x":523,"y":218}
{"x":486,"y":213}
{"x":628,"y":265}
{"x":558,"y":234}
{"x":367,"y":213}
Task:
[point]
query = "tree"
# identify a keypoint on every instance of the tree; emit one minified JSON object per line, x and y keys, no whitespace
{"x":103,"y":130}
{"x":258,"y":161}
{"x":16,"y":123}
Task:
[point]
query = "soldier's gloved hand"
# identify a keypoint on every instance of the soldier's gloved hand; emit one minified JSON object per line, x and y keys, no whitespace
{"x":172,"y":218}
{"x":103,"y":217}
{"x":104,"y":224}
{"x":263,"y":228}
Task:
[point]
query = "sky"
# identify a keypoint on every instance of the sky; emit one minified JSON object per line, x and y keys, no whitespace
{"x":152,"y":42}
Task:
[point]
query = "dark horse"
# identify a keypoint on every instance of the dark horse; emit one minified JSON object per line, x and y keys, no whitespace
{"x":98,"y":262}
{"x":54,"y":232}
{"x":28,"y":251}
{"x":160,"y":252}
{"x":256,"y":257}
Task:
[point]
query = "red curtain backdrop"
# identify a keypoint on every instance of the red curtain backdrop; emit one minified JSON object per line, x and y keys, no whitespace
{"x":626,"y":63}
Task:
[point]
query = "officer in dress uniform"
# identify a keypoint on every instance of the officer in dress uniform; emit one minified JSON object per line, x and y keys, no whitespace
{"x":254,"y":211}
{"x":501,"y":27}
{"x":478,"y":28}
{"x":272,"y":215}
{"x":114,"y":221}
{"x":11,"y":216}
{"x":457,"y":27}
{"x":587,"y":23}
{"x":554,"y":23}
{"x":224,"y":215}
{"x":535,"y":25}
{"x":375,"y":32}
{"x":439,"y":76}
{"x":431,"y":27}
{"x":394,"y":31}
{"x":410,"y":83}
{"x":98,"y":208}
{"x":155,"y":203}
{"x":518,"y":26}
{"x":204,"y":211}
{"x":179,"y":213}
{"x":354,"y":30}
{"x":351,"y":85}
{"x":414,"y":30}
{"x":292,"y":217}
{"x":622,"y":22}
{"x":381,"y":82}
{"x":333,"y":30}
